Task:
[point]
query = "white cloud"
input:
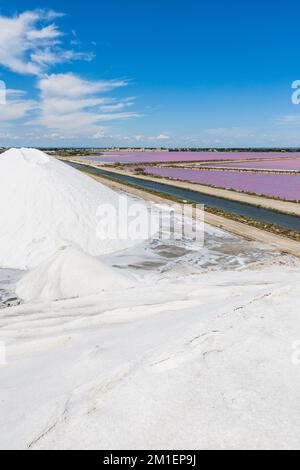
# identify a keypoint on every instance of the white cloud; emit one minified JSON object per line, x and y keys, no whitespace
{"x":27,"y":46}
{"x":67,"y":105}
{"x":73,"y":86}
{"x":118,"y":106}
{"x":46,"y":33}
{"x":51,"y":14}
{"x":46,"y":57}
{"x":144,"y":138}
{"x":100,"y":134}
{"x":16,"y":107}
{"x":9,"y":136}
{"x":163,"y":137}
{"x":72,"y":105}
{"x":12,"y":92}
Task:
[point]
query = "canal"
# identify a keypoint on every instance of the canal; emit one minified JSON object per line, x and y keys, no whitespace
{"x":260,"y":214}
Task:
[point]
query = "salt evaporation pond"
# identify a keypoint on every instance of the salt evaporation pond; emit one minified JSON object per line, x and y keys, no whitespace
{"x":284,"y":164}
{"x":281,"y":186}
{"x":167,"y":157}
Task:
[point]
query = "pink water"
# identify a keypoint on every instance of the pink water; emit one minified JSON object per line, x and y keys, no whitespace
{"x":281,"y":186}
{"x":283,"y":164}
{"x":167,"y":157}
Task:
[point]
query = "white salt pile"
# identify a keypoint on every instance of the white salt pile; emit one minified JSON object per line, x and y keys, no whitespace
{"x":70,"y":273}
{"x":46,"y":204}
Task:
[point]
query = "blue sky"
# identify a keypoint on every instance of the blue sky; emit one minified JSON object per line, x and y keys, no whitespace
{"x":154,"y":73}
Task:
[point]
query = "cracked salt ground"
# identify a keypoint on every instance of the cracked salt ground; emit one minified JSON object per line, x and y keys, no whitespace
{"x":202,"y":344}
